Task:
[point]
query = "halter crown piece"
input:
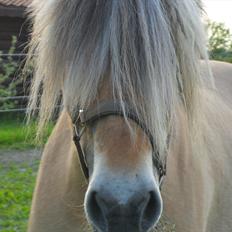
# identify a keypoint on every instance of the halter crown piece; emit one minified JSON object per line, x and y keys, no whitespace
{"x":110,"y":108}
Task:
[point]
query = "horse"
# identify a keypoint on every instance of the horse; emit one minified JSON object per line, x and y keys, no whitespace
{"x":145,"y":126}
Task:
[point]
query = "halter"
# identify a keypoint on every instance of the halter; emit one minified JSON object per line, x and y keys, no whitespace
{"x":110,"y":108}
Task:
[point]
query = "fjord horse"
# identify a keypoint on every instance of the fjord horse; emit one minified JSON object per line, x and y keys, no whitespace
{"x":138,"y":96}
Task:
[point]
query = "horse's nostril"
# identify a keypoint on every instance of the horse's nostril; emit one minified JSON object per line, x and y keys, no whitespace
{"x":139,"y":213}
{"x":152,"y":211}
{"x":95,"y":211}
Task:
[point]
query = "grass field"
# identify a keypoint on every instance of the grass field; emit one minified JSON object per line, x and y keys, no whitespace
{"x":17,"y":178}
{"x":15,"y":134}
{"x":17,"y":184}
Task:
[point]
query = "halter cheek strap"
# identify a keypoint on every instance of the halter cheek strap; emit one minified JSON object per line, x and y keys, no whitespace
{"x":76,"y":139}
{"x":110,"y":108}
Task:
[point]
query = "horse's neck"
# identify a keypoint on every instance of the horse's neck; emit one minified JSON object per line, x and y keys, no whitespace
{"x":192,"y":153}
{"x":184,"y":183}
{"x":62,"y":151}
{"x":196,"y":168}
{"x":60,"y":185}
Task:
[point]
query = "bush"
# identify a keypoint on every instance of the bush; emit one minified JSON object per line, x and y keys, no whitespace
{"x":8,"y":81}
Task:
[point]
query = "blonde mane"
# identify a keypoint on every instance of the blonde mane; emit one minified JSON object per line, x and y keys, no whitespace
{"x":152,"y":48}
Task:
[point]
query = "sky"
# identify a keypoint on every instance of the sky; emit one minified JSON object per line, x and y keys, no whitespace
{"x":219,"y":10}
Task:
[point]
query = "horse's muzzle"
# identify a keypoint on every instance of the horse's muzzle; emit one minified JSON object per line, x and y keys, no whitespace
{"x":139,"y":214}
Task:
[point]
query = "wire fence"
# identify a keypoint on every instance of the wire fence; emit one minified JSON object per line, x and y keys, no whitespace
{"x":21,"y":99}
{"x":13,"y":98}
{"x":13,"y":55}
{"x":13,"y":110}
{"x":23,"y":109}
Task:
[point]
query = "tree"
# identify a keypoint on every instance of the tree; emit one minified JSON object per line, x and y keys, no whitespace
{"x":220,"y":42}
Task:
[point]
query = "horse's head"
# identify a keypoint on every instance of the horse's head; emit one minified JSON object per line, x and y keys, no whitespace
{"x":123,"y":192}
{"x":144,"y":53}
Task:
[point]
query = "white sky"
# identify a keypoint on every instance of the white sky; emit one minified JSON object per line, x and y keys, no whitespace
{"x":220,"y":11}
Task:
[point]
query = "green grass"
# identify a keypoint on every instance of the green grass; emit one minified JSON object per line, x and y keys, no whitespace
{"x":15,"y":134}
{"x":17,"y":184}
{"x":17,"y":180}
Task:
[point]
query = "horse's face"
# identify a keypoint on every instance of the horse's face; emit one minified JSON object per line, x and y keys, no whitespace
{"x":123,"y":193}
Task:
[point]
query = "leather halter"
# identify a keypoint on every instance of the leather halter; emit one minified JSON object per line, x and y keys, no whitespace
{"x":110,"y":108}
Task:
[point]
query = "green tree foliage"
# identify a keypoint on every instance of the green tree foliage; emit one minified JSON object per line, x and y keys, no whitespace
{"x":220,"y":42}
{"x":8,"y":81}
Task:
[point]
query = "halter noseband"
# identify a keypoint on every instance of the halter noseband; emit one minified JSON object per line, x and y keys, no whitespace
{"x":110,"y":108}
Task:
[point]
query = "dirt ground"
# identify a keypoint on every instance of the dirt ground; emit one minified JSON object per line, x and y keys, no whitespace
{"x":32,"y":156}
{"x":12,"y":156}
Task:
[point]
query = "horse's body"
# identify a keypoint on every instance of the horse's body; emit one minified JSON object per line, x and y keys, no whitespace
{"x":134,"y":69}
{"x":197,"y":191}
